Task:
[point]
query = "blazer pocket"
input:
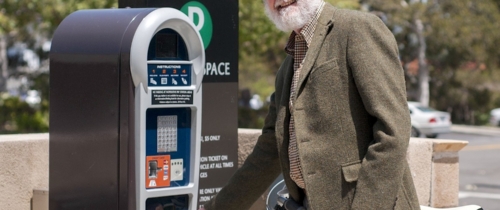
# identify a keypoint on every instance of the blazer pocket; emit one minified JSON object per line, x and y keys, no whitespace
{"x":351,"y":171}
{"x":325,"y":67}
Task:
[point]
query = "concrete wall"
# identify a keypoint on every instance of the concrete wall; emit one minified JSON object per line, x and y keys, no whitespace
{"x":24,"y":168}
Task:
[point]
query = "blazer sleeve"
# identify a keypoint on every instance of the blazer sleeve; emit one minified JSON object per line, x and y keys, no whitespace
{"x":372,"y":56}
{"x":259,"y":170}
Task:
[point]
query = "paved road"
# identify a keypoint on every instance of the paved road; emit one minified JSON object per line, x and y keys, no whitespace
{"x":479,"y":165}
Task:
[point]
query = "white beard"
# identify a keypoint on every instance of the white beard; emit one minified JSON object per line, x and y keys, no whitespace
{"x":293,"y":17}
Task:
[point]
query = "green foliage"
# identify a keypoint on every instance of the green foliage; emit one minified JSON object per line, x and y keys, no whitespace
{"x":261,"y":48}
{"x":17,"y":116}
{"x":23,"y":17}
{"x":54,"y":11}
{"x":468,"y":94}
{"x":40,"y":82}
{"x":464,"y":31}
{"x":32,"y":22}
{"x":249,"y":118}
{"x":462,"y":38}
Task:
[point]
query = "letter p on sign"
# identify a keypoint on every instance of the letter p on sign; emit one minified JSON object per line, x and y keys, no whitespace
{"x":201,"y":19}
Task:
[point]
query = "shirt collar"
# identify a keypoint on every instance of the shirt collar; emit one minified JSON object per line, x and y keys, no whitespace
{"x":307,"y":32}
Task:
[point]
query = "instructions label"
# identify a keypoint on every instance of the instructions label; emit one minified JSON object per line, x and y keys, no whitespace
{"x":172,"y":97}
{"x":169,"y":75}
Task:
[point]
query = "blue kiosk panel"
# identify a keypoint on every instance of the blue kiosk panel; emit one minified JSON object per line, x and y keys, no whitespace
{"x":168,"y":145}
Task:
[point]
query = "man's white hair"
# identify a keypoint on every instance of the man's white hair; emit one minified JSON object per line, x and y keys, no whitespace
{"x":288,"y":19}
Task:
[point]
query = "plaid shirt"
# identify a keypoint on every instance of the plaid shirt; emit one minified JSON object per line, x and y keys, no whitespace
{"x":297,"y":47}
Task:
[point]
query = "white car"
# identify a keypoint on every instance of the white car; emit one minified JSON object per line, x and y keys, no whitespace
{"x":495,"y":117}
{"x":427,"y":121}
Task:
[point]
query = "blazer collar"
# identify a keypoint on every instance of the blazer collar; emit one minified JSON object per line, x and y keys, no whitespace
{"x":325,"y":23}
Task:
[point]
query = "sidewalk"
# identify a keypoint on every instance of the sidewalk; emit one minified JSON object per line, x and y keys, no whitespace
{"x":480,"y":130}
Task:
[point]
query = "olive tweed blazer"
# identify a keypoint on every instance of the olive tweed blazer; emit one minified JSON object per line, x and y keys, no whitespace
{"x":352,"y":123}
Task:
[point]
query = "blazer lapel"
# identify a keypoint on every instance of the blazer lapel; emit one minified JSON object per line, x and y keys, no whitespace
{"x":325,"y":22}
{"x":287,"y":82}
{"x":285,"y":99}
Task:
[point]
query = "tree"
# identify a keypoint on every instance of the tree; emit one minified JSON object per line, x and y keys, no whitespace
{"x":34,"y":21}
{"x":446,"y":37}
{"x":409,"y":19}
{"x":465,"y":59}
{"x":31,"y":22}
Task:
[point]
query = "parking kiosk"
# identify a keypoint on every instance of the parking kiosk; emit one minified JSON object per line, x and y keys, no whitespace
{"x":125,"y":110}
{"x":167,"y":58}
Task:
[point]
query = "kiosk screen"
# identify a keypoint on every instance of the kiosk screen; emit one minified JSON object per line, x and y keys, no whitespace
{"x":166,"y":45}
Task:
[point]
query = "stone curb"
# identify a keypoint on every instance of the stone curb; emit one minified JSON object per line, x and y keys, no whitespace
{"x":479,"y":130}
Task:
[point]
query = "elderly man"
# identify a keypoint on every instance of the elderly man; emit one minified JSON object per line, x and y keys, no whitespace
{"x":338,"y":125}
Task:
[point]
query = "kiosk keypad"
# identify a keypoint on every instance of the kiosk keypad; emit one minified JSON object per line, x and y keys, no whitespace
{"x":167,"y":133}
